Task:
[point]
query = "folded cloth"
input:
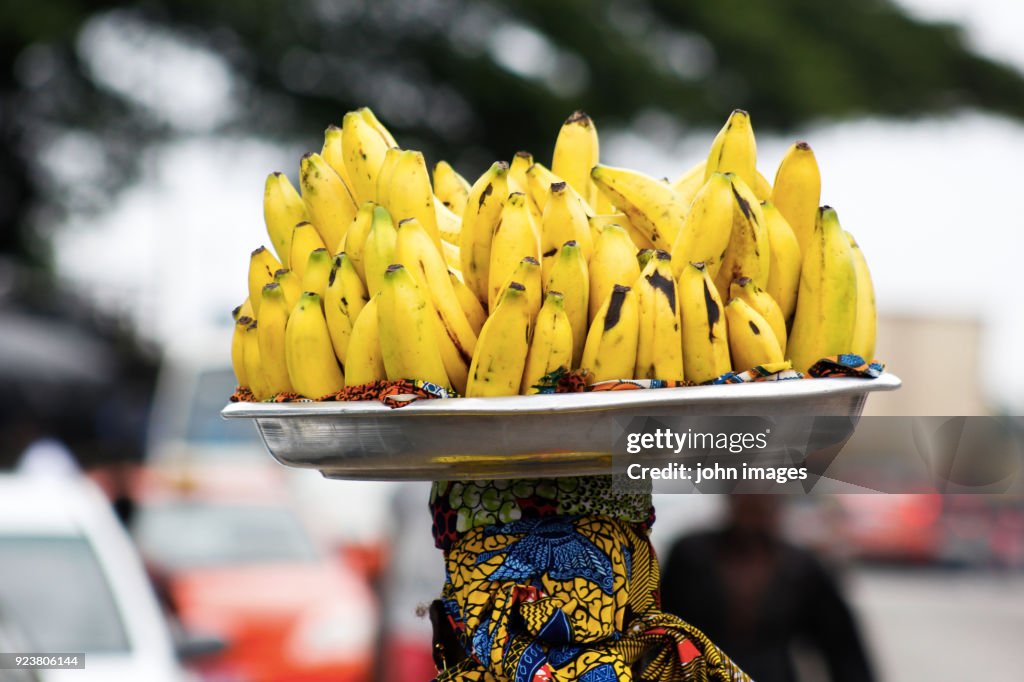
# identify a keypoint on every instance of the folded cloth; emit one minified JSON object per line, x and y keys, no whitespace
{"x":567,"y":597}
{"x":846,"y":365}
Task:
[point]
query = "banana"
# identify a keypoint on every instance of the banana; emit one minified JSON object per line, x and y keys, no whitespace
{"x":385,"y":175}
{"x":411,"y":195}
{"x":527,"y":273}
{"x":563,"y":220}
{"x":706,"y":230}
{"x":355,"y":238}
{"x":364,"y":148}
{"x":450,"y":252}
{"x":784,"y":271}
{"x":645,"y":257}
{"x":734,"y":150}
{"x":379,"y":250}
{"x":364,"y":362}
{"x":305,"y":240}
{"x":483,"y":211}
{"x":689,"y":183}
{"x":748,"y":253}
{"x":257,"y":382}
{"x":866,"y":324}
{"x":797,"y":191}
{"x":329,"y":201}
{"x":370,"y":118}
{"x":517,"y":181}
{"x":283,"y":208}
{"x":449,"y":225}
{"x":318,"y":272}
{"x":291,"y":285}
{"x":762,"y":303}
{"x":576,"y":152}
{"x":610,"y":349}
{"x":270,"y":337}
{"x":826,"y":306}
{"x":762,"y":188}
{"x":333,"y":154}
{"x":501,"y":349}
{"x":238,"y":349}
{"x":659,"y":351}
{"x":262,"y":266}
{"x":344,"y":299}
{"x":551,"y":346}
{"x":471,"y":306}
{"x":539,"y":180}
{"x":751,"y":339}
{"x":408,"y":331}
{"x":312,"y":366}
{"x":515,"y":237}
{"x":705,"y":338}
{"x":245,"y":310}
{"x":599,"y":221}
{"x":450,"y":187}
{"x":652,"y":205}
{"x":614,"y":262}
{"x":570,"y":276}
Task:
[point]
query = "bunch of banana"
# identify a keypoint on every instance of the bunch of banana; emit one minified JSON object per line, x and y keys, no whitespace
{"x":386,"y":270}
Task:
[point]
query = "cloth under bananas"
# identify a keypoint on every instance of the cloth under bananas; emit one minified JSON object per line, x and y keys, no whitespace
{"x":381,"y":269}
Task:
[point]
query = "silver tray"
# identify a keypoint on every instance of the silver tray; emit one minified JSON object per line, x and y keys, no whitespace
{"x":517,"y":436}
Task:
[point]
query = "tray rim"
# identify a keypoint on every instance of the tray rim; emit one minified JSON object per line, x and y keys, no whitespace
{"x":751,"y":393}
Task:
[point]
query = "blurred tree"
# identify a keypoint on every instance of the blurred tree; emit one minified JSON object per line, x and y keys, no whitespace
{"x":469,"y":81}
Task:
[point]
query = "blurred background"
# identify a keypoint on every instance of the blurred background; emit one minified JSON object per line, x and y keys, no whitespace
{"x":134,"y":141}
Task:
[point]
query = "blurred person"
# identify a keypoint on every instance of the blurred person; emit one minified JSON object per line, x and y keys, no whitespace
{"x":757,"y":596}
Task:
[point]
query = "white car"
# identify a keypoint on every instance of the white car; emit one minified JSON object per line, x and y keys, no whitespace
{"x":71,"y":582}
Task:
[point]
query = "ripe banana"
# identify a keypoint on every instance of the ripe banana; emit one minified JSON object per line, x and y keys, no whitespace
{"x":519,"y":182}
{"x":551,"y":346}
{"x":784,"y":271}
{"x":706,"y":230}
{"x":762,"y":188}
{"x":283,"y":208}
{"x":291,"y":285}
{"x":734,"y":150}
{"x":385,"y":175}
{"x":563,"y":220}
{"x":527,"y":273}
{"x":379,"y":250}
{"x":659,"y":352}
{"x":826,"y":307}
{"x":408,"y":330}
{"x":451,"y":188}
{"x":765,"y":306}
{"x":262,"y":266}
{"x":328,"y":199}
{"x":610,"y":349}
{"x":270,"y":337}
{"x":483,"y":211}
{"x":451,"y":255}
{"x":472,"y":307}
{"x":748,"y":253}
{"x":411,"y":195}
{"x":449,"y":225}
{"x":516,"y":236}
{"x":614,"y":262}
{"x":598,"y":223}
{"x":539,"y":180}
{"x":797,"y":191}
{"x":364,"y":149}
{"x":238,"y":349}
{"x":355,"y":238}
{"x":652,"y":205}
{"x":865,"y":326}
{"x":312,"y":366}
{"x":751,"y":339}
{"x":689,"y":183}
{"x":318,"y":272}
{"x":570,"y":276}
{"x":305,"y":240}
{"x":705,"y":339}
{"x":501,"y":349}
{"x":576,"y":152}
{"x":364,"y":362}
{"x":333,"y":153}
{"x":371,"y":118}
{"x":344,"y":299}
{"x":257,"y":382}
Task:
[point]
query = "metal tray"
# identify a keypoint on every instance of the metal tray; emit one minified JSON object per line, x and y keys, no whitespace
{"x":517,"y":436}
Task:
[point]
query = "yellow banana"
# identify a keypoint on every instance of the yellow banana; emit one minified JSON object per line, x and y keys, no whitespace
{"x":370,"y":118}
{"x":364,"y":362}
{"x":599,"y":221}
{"x":451,"y":188}
{"x":659,"y":352}
{"x":449,"y":225}
{"x":471,"y":306}
{"x":379,"y":250}
{"x":270,"y":337}
{"x":305,"y":240}
{"x":408,"y":330}
{"x":364,"y":149}
{"x":705,"y":339}
{"x":483,"y":211}
{"x":765,"y":306}
{"x":539,"y":180}
{"x":826,"y":307}
{"x":866,"y":324}
{"x":283,"y":208}
{"x":570,"y":276}
{"x":751,"y":339}
{"x":689,"y":183}
{"x":385,"y":175}
{"x":610,"y":349}
{"x":258,"y":383}
{"x":614,"y":262}
{"x":262,"y":266}
{"x":291,"y":286}
{"x":312,"y":366}
{"x":784,"y":271}
{"x":797,"y":191}
{"x":501,"y":349}
{"x":344,"y":299}
{"x":333,"y":153}
{"x":318,"y":272}
{"x":748,"y":253}
{"x":527,"y":273}
{"x":411,"y":195}
{"x":519,"y":182}
{"x":450,"y":252}
{"x":238,"y":349}
{"x":563,"y":220}
{"x":652,"y":205}
{"x":734,"y":150}
{"x":328,"y":199}
{"x":706,"y":230}
{"x":515,"y":237}
{"x":576,"y":152}
{"x":355,"y":238}
{"x":762,"y":188}
{"x":551,"y":346}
